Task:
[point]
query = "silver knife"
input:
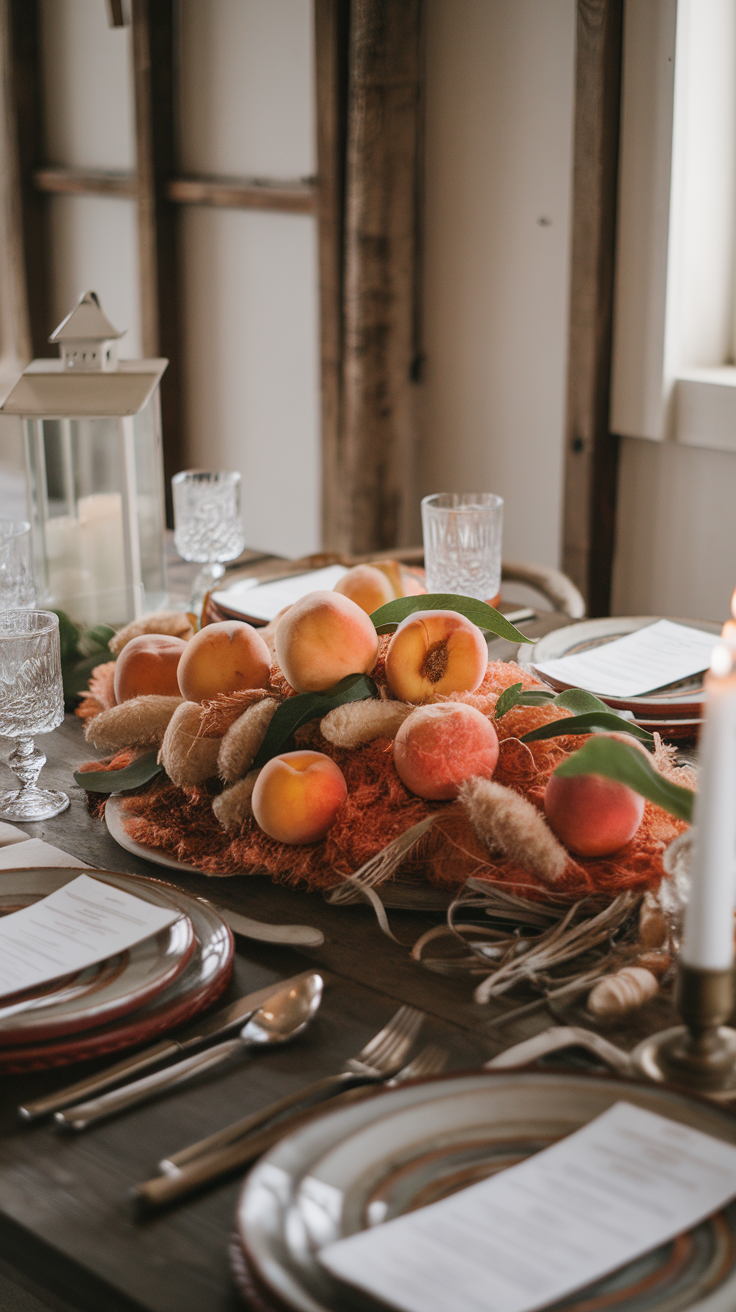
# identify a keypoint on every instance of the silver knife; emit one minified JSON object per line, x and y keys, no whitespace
{"x":302,"y":936}
{"x":214,"y":1026}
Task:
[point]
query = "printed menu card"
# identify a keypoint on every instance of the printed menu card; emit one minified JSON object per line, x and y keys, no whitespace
{"x":650,"y":658}
{"x":625,"y":1183}
{"x":84,"y":922}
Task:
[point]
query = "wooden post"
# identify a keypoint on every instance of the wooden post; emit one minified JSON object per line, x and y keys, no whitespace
{"x":26,"y":209}
{"x":376,"y":479}
{"x":153,"y":60}
{"x":591,"y":459}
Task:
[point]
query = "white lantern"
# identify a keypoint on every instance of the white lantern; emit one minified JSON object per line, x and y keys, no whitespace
{"x":92,"y":437}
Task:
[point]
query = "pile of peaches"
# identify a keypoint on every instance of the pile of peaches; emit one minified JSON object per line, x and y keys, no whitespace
{"x":440,"y":743}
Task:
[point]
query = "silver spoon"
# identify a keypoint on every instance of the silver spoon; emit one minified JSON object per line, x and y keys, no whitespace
{"x":281,"y":1018}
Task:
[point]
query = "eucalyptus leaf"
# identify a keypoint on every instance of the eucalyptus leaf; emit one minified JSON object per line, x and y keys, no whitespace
{"x":306,"y":706}
{"x":627,"y":765}
{"x":388,"y":617}
{"x":592,"y":722}
{"x":139,"y":772}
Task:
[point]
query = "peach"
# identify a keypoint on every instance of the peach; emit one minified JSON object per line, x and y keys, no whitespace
{"x":222,"y":658}
{"x":438,"y":747}
{"x":367,"y":586}
{"x":322,"y":638}
{"x":434,"y":653}
{"x":297,"y":796}
{"x":592,"y":815}
{"x":148,"y":664}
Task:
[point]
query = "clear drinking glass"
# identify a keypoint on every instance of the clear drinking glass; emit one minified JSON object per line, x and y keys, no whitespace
{"x":462,"y":544}
{"x":31,"y":702}
{"x":207,"y":523}
{"x":16,"y":570}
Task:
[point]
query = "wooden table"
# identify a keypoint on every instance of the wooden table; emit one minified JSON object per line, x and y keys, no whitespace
{"x":66,"y":1229}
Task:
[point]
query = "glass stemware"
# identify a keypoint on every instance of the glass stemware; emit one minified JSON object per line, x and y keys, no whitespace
{"x":16,"y":570}
{"x":31,"y":702}
{"x":208,"y":528}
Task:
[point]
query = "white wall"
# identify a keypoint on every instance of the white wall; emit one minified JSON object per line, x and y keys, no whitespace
{"x":500,"y":80}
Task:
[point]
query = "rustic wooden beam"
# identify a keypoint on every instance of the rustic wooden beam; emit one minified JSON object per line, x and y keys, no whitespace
{"x":591,"y":457}
{"x":332,"y":26}
{"x":27,"y":218}
{"x":378,"y":495}
{"x":242,"y":193}
{"x":85,"y":182}
{"x":154,"y":74}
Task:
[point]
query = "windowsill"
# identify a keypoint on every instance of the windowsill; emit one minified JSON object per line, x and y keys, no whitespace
{"x":705,"y":408}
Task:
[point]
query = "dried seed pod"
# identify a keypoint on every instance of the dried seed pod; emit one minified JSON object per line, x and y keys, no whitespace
{"x":617,"y":995}
{"x":186,"y":757}
{"x":139,"y":722}
{"x":506,"y":822}
{"x":658,"y":962}
{"x":360,"y":722}
{"x":242,"y":740}
{"x":176,"y":623}
{"x":653,"y":931}
{"x":233,"y":806}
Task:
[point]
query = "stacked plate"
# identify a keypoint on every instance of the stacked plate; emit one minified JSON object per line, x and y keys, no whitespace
{"x":675,"y":712}
{"x":128,"y":999}
{"x":368,"y":1163}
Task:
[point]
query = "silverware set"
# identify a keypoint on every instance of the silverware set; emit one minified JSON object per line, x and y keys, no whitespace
{"x":272,"y":1015}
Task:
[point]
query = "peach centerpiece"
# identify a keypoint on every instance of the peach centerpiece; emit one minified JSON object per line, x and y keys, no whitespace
{"x":434,"y":653}
{"x":322,"y":638}
{"x":297,"y":796}
{"x":367,"y":586}
{"x":223,"y":658}
{"x":438,"y":747}
{"x":148,"y":664}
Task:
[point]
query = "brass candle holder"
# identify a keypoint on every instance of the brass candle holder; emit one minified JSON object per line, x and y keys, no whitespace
{"x":701,"y":1054}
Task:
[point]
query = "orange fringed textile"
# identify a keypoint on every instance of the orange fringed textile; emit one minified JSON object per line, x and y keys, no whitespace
{"x":379,"y":809}
{"x":100,"y":695}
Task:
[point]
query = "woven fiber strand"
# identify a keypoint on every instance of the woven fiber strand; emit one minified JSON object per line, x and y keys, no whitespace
{"x":378,"y":809}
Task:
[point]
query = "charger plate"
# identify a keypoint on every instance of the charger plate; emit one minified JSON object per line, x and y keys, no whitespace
{"x":99,"y":993}
{"x":403,"y":1149}
{"x":675,"y":711}
{"x":197,"y":985}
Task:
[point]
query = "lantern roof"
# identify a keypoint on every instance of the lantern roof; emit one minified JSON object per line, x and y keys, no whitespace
{"x":87,"y":322}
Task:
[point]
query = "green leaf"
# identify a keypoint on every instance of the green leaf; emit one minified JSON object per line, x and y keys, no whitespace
{"x":69,"y":636}
{"x":138,"y":772}
{"x":580,"y":702}
{"x":592,"y":722}
{"x":296,"y":711}
{"x":509,"y":697}
{"x":99,"y":637}
{"x":572,"y":699}
{"x":388,"y":617}
{"x":627,"y":765}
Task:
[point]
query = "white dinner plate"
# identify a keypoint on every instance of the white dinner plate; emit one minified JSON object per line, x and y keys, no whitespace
{"x":101,"y":992}
{"x":381,"y":1158}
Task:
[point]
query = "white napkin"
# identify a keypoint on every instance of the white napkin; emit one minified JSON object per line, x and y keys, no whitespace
{"x":34,"y":852}
{"x":9,"y":834}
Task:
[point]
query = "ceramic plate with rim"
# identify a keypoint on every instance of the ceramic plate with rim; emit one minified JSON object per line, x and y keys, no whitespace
{"x":414,"y":895}
{"x":201,"y":981}
{"x":99,"y":993}
{"x":366,"y":1164}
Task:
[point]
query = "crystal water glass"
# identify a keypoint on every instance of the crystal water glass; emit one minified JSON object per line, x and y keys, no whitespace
{"x":462,"y":544}
{"x":31,"y":702}
{"x":16,"y":569}
{"x":208,"y":527}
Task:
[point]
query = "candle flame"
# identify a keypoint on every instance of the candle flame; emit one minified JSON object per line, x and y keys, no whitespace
{"x":733,"y":604}
{"x":721,"y":661}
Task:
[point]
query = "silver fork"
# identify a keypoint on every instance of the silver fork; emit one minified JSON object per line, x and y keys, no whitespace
{"x":381,"y":1057}
{"x":165,"y":1189}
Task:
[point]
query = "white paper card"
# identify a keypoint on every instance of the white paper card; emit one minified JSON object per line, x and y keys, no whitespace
{"x":263,"y":601}
{"x":622,"y":1185}
{"x":84,"y":922}
{"x":653,"y":657}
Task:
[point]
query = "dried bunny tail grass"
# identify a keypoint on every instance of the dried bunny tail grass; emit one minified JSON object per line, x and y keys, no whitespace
{"x":139,"y":722}
{"x":233,"y":807}
{"x":665,"y":759}
{"x":506,"y":822}
{"x":186,"y":757}
{"x":100,"y":695}
{"x":223,"y":710}
{"x":360,"y":722}
{"x":176,"y":623}
{"x":627,"y":990}
{"x":242,"y":740}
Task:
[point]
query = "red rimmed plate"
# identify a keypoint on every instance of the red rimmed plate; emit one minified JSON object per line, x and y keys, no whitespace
{"x":201,"y":981}
{"x":98,"y":994}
